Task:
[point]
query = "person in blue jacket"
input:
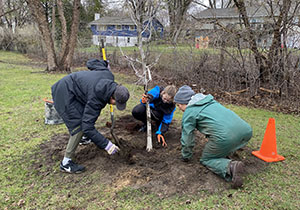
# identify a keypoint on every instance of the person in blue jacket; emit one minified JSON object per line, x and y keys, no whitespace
{"x":79,"y":98}
{"x":162,"y":109}
{"x":225,"y":130}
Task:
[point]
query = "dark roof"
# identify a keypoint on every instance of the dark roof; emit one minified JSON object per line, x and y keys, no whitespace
{"x":113,"y":21}
{"x":232,"y":13}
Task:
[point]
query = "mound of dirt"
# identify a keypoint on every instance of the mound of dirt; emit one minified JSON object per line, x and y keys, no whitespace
{"x":160,"y":171}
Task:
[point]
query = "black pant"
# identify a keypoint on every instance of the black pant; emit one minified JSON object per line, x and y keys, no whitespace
{"x":139,"y":113}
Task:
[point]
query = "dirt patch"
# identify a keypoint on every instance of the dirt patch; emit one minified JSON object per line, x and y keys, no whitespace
{"x":160,"y":171}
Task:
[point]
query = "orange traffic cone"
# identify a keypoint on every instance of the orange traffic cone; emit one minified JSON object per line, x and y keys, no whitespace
{"x":268,"y":149}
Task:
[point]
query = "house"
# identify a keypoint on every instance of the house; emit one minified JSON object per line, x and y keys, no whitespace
{"x":121,"y":31}
{"x":260,"y":19}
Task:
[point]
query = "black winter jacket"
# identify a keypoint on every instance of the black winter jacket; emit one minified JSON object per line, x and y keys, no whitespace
{"x":97,"y":65}
{"x":79,"y":98}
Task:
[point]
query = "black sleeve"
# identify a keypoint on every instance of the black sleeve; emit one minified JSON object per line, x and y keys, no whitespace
{"x":91,"y":113}
{"x":164,"y":128}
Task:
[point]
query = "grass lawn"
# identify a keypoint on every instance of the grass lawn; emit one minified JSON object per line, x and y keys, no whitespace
{"x":22,"y":130}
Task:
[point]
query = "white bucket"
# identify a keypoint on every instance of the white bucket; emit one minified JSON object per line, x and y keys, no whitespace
{"x":51,"y":115}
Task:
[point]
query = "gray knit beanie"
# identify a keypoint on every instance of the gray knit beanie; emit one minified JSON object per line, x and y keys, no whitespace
{"x":184,"y":95}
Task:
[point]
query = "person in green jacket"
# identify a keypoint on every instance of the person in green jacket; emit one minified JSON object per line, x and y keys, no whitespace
{"x":226,"y":132}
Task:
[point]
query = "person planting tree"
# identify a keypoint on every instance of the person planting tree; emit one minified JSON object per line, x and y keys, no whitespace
{"x":162,"y":109}
{"x":226,"y":132}
{"x":79,"y":98}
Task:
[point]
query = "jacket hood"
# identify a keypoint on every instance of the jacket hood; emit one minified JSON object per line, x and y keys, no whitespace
{"x":200,"y":99}
{"x":97,"y":65}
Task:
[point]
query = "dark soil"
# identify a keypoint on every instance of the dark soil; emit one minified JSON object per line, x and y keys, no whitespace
{"x":160,"y":171}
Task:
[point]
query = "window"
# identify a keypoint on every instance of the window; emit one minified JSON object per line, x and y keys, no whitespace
{"x":131,"y":28}
{"x":118,"y":27}
{"x":101,"y":28}
{"x":128,"y":40}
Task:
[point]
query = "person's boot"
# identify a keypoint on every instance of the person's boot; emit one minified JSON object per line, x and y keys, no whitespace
{"x":237,"y":170}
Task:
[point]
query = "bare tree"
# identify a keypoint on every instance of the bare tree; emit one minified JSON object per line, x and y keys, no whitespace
{"x":282,"y":14}
{"x":214,"y":4}
{"x":14,"y":13}
{"x":53,"y":18}
{"x":177,"y":15}
{"x":64,"y":61}
{"x":142,"y":13}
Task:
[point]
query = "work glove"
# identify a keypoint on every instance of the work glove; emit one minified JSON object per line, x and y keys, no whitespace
{"x":111,"y":148}
{"x":161,"y":138}
{"x":146,"y":97}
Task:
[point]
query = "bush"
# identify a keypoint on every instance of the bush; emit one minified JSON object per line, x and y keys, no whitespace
{"x":24,"y":40}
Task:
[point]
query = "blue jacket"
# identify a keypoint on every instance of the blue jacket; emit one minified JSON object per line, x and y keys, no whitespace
{"x":157,"y":104}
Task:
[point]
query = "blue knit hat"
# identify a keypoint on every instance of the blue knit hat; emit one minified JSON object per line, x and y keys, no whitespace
{"x":184,"y":95}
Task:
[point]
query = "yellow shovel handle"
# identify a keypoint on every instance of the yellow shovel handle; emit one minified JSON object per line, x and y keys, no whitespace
{"x":111,"y":108}
{"x":103,"y":54}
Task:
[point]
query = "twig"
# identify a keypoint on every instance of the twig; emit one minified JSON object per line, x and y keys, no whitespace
{"x":269,"y":91}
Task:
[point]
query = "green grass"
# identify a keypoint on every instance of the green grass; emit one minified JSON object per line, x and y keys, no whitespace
{"x":154,"y":48}
{"x":22,"y":130}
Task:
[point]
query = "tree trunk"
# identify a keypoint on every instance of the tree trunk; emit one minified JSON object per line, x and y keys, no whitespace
{"x":73,"y":34}
{"x":149,"y":146}
{"x":53,"y":20}
{"x":259,"y":57}
{"x":177,"y":11}
{"x":40,"y":17}
{"x":68,"y":53}
{"x":64,"y":32}
{"x":68,"y":40}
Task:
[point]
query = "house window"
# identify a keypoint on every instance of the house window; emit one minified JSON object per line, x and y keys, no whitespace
{"x":118,"y":27}
{"x":131,"y":28}
{"x":101,"y":28}
{"x":128,"y":40}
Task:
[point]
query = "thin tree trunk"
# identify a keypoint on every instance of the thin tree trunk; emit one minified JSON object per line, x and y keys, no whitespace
{"x":149,"y":129}
{"x":177,"y":11}
{"x":64,"y":32}
{"x":38,"y":13}
{"x":53,"y":20}
{"x":73,"y":35}
{"x":149,"y":146}
{"x":259,"y":58}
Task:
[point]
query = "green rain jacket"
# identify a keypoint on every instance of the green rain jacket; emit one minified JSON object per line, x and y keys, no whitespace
{"x":212,"y":119}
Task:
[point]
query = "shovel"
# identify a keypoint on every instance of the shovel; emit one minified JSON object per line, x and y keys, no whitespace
{"x":111,"y":106}
{"x":112,"y":127}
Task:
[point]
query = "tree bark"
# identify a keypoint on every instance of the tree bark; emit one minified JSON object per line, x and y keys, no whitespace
{"x":259,"y":57}
{"x":68,"y":40}
{"x":67,"y":58}
{"x":64,"y":32}
{"x":53,"y":20}
{"x":177,"y":12}
{"x":40,"y":17}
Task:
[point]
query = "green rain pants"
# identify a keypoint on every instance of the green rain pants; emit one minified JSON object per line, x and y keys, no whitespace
{"x":215,"y":151}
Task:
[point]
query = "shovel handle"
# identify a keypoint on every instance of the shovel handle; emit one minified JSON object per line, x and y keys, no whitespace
{"x":111,"y":108}
{"x":103,"y":50}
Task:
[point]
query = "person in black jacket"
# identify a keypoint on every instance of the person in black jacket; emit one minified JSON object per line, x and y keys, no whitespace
{"x":79,"y":98}
{"x":94,"y":65}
